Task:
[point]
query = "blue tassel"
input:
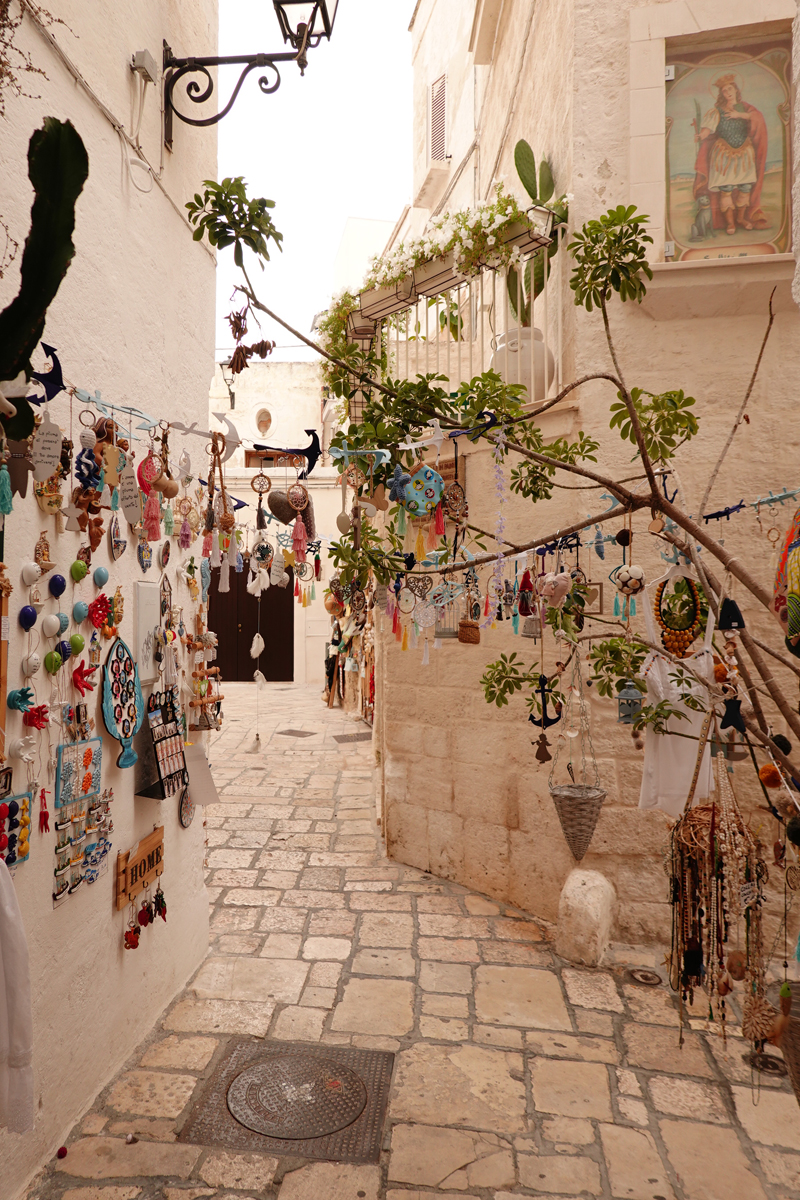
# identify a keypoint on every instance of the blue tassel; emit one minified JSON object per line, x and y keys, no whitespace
{"x":797,"y":949}
{"x":515,"y":621}
{"x":616,"y":605}
{"x":632,"y":606}
{"x":115,"y":500}
{"x":6,"y":503}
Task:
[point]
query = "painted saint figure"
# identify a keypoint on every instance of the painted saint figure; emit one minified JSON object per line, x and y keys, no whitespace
{"x":729,"y":170}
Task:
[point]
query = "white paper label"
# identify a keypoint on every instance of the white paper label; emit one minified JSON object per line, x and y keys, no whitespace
{"x":46,"y":448}
{"x":129,"y":498}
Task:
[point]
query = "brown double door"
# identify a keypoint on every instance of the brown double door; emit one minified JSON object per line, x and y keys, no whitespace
{"x":234,"y":617}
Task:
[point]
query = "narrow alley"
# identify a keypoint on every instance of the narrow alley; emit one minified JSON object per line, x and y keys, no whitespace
{"x":513,"y":1075}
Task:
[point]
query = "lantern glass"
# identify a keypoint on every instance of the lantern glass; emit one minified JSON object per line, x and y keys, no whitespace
{"x":629,"y":703}
{"x":316,"y":15}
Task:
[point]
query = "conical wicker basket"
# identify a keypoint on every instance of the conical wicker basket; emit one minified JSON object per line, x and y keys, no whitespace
{"x":790,"y":1049}
{"x":578,"y":806}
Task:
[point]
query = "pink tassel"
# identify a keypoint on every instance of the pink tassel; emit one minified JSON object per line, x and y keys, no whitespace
{"x":431,"y":540}
{"x":206,"y":553}
{"x":439,"y":520}
{"x":486,"y":606}
{"x":152,"y":519}
{"x":300,"y":540}
{"x":185,"y":538}
{"x":395,"y":621}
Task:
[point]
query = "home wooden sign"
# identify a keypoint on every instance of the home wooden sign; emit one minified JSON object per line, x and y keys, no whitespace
{"x":139,"y":866}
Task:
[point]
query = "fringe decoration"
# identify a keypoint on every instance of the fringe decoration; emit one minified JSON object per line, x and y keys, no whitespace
{"x":486,"y":606}
{"x":399,"y":634}
{"x":515,"y":621}
{"x":152,"y":522}
{"x":632,"y":606}
{"x":224,"y":584}
{"x":6,"y":502}
{"x":437,"y":643}
{"x":257,"y":646}
{"x":185,"y":539}
{"x":296,"y":586}
{"x":209,"y":525}
{"x":419,"y":546}
{"x":616,"y":605}
{"x":317,"y":567}
{"x":395,"y":620}
{"x":401,"y":522}
{"x":404,"y":645}
{"x":169,"y":521}
{"x":425,"y":655}
{"x":438,"y":521}
{"x":239,"y":562}
{"x":115,"y":500}
{"x":430,"y":541}
{"x":215,"y":558}
{"x":300,"y":539}
{"x":261,"y":516}
{"x":409,"y":540}
{"x":233,"y":550}
{"x":313,"y":590}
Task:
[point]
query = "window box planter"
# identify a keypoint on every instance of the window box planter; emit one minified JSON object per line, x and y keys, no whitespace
{"x":437,"y":275}
{"x":530,"y":236}
{"x":383,"y":301}
{"x":361,"y":330}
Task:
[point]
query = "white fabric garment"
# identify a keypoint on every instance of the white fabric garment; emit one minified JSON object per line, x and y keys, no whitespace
{"x":16,"y":1021}
{"x":669,"y":761}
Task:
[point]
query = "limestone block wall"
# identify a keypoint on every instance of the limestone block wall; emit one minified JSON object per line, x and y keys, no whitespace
{"x":135,"y":319}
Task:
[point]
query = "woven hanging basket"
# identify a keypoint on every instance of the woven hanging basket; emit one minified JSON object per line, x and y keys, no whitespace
{"x":469,"y":631}
{"x":578,"y":806}
{"x":790,"y":1049}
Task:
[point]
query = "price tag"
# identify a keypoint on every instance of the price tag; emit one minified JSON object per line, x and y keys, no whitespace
{"x":199,"y":656}
{"x":129,"y":498}
{"x":46,"y":448}
{"x":748,"y":894}
{"x":4,"y":629}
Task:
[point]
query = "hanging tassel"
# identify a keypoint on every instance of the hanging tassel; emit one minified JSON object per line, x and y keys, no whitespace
{"x":414,"y":638}
{"x":425,"y":655}
{"x":209,"y":525}
{"x":616,"y":605}
{"x":404,"y":645}
{"x":152,"y":522}
{"x":296,"y":586}
{"x":105,"y":497}
{"x":401,"y":629}
{"x":515,"y":621}
{"x":419,"y":546}
{"x":169,"y":521}
{"x":431,"y":541}
{"x":233,"y":550}
{"x":313,"y":590}
{"x":224,"y":576}
{"x":257,"y":646}
{"x":486,"y":606}
{"x":317,"y":567}
{"x":215,"y":558}
{"x":261,"y":516}
{"x":239,"y":562}
{"x":437,"y":643}
{"x":400,"y":528}
{"x":409,"y":541}
{"x":306,"y":600}
{"x":6,"y":503}
{"x":115,"y":500}
{"x":206,"y":550}
{"x":395,"y":620}
{"x":300,"y":540}
{"x":438,"y":521}
{"x":186,"y":535}
{"x":632,"y":606}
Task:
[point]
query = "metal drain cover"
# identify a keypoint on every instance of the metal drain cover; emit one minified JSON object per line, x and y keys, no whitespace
{"x":644,"y":977}
{"x":297,"y":1096}
{"x":352,"y":737}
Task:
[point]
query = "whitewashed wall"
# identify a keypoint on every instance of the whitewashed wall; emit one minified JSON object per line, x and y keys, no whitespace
{"x":134,"y":318}
{"x":561,"y":75}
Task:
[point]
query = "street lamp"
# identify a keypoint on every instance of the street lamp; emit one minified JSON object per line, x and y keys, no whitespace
{"x":303,"y":24}
{"x":228,"y":378}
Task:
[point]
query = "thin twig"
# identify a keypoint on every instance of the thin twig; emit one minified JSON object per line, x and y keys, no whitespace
{"x":628,"y":401}
{"x":782,"y":658}
{"x":742,"y":408}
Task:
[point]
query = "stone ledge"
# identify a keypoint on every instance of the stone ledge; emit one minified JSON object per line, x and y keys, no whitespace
{"x":719,"y":287}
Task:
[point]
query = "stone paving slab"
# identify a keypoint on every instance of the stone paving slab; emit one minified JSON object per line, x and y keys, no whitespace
{"x":517,"y":1075}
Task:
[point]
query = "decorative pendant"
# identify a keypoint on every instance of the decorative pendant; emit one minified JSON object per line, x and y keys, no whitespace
{"x":186,"y":809}
{"x":144,"y":552}
{"x":164,"y":553}
{"x":117,"y":544}
{"x":123,"y":703}
{"x":542,"y":754}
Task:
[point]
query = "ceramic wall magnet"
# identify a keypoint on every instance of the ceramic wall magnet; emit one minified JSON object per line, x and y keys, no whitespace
{"x":51,"y":625}
{"x":31,"y":573}
{"x":79,"y":570}
{"x":27,"y":617}
{"x":57,"y":585}
{"x":80,"y":611}
{"x":118,"y":544}
{"x":144,"y":553}
{"x":100,"y":576}
{"x":30,"y":665}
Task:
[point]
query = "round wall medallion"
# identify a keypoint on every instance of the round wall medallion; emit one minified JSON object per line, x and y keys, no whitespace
{"x":296,"y":1096}
{"x":186,"y":809}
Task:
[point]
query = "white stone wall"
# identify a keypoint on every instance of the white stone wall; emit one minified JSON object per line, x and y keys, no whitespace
{"x":462,"y":793}
{"x":134,"y":318}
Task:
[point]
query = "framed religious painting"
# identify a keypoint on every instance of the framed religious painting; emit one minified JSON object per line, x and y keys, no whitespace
{"x":729,"y":146}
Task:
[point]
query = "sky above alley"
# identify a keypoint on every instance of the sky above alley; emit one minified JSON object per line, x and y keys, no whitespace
{"x":333,"y":144}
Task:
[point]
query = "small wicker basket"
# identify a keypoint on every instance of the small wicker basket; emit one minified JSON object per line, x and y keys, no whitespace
{"x":578,"y":806}
{"x":469,"y":631}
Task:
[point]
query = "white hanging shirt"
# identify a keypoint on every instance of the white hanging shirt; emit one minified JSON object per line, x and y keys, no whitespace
{"x":669,"y":761}
{"x":16,"y":1022}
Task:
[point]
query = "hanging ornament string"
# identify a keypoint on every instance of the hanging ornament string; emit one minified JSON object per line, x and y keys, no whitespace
{"x":495,"y":584}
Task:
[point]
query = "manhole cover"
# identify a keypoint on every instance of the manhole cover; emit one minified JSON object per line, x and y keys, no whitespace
{"x":352,"y":737}
{"x":644,"y":977}
{"x":297,"y":1096}
{"x":295,"y":733}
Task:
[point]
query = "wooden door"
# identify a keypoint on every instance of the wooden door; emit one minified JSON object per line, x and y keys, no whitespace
{"x":234,"y":617}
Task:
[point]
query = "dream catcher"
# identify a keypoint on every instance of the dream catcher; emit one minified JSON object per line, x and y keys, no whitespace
{"x":299,"y":499}
{"x":579,"y":801}
{"x":261,"y":485}
{"x":189,"y":518}
{"x":123,"y":704}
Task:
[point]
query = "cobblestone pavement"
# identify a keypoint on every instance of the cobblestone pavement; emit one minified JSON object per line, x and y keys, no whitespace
{"x":516,"y":1074}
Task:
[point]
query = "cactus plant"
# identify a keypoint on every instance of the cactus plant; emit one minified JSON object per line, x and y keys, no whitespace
{"x":524,"y":287}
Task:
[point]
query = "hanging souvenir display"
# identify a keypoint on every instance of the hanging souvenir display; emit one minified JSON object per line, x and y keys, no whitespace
{"x":578,"y":801}
{"x":15,"y":828}
{"x":164,"y":726}
{"x":123,"y":703}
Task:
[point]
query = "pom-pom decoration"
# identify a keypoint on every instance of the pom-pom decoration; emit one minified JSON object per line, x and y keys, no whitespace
{"x":770,"y":776}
